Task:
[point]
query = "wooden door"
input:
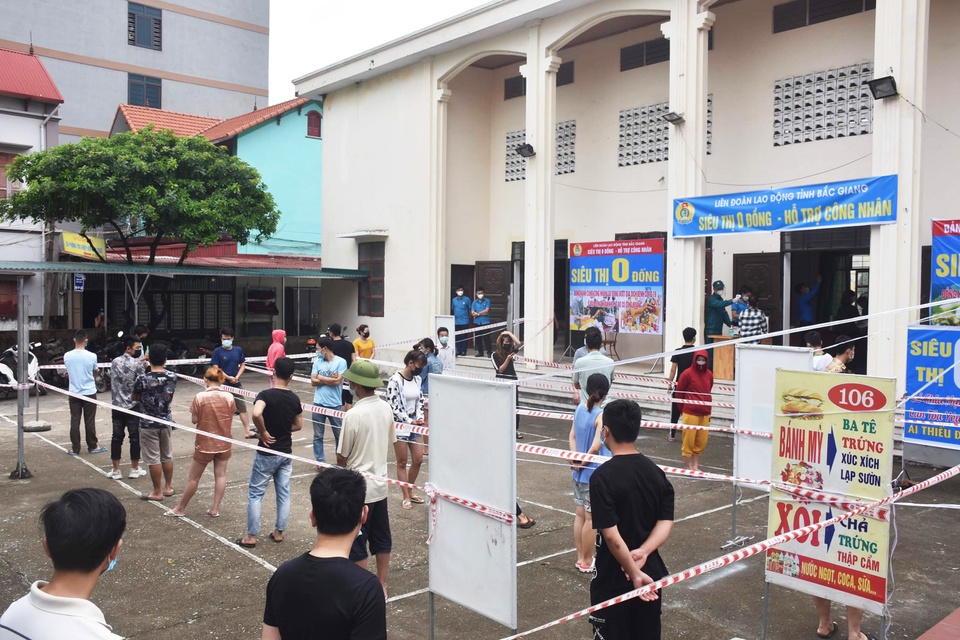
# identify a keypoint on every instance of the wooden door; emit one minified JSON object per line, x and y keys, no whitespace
{"x":762,"y":272}
{"x":494,"y":277}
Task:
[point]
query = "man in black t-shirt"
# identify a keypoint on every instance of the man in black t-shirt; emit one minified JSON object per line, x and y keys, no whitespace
{"x":321,"y":594}
{"x":346,"y":350}
{"x":277,"y":413}
{"x":632,"y":504}
{"x":680,"y":362}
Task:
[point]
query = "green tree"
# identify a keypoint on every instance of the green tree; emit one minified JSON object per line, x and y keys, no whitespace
{"x":149,"y":184}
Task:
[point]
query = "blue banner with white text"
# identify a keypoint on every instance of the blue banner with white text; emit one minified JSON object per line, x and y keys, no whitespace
{"x":933,"y":376}
{"x":846,"y":203}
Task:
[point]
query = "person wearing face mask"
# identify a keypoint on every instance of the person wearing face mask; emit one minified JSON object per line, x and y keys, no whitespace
{"x":365,"y":442}
{"x":81,"y":366}
{"x":480,"y":312}
{"x":327,"y":378}
{"x":124,"y":370}
{"x":445,"y":352}
{"x":229,"y":357}
{"x":843,"y":352}
{"x":716,"y":314}
{"x":83,"y":533}
{"x":696,"y":383}
{"x":460,"y":306}
{"x":507,"y":347}
{"x":363,"y":345}
{"x":405,"y":397}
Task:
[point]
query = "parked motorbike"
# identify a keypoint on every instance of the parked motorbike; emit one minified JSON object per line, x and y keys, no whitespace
{"x":9,"y":366}
{"x":179,"y":350}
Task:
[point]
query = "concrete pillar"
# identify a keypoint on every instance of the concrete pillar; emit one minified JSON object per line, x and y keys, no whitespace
{"x":540,"y":72}
{"x":438,"y":270}
{"x":687,"y":31}
{"x":900,"y":50}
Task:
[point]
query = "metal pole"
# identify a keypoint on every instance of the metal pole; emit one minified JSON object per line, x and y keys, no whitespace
{"x":104,"y":309}
{"x":763,"y":618}
{"x":433,"y":613}
{"x":21,"y":471}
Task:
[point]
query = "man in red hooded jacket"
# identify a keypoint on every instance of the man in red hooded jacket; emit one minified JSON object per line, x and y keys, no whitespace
{"x":276,"y":350}
{"x":696,"y":383}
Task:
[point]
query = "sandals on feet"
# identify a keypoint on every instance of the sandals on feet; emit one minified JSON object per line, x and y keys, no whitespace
{"x":415,"y":499}
{"x":240,"y":543}
{"x":213,"y":515}
{"x":406,"y":504}
{"x":528,"y":524}
{"x":275,"y":538}
{"x":828,"y":635}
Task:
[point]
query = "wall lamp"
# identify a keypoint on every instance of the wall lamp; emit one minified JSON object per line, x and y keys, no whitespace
{"x":526,"y":150}
{"x":885,"y":87}
{"x":673,"y":117}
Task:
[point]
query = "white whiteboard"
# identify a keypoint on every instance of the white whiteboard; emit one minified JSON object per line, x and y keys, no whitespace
{"x":756,"y":367}
{"x":473,"y":557}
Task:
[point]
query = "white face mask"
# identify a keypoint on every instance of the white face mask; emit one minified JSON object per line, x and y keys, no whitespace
{"x":459,"y":293}
{"x":479,"y":296}
{"x":701,"y":362}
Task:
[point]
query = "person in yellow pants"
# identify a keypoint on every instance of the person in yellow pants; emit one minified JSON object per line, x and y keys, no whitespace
{"x":694,"y":391}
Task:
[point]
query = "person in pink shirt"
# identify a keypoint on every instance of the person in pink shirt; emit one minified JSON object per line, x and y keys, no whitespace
{"x":276,"y":350}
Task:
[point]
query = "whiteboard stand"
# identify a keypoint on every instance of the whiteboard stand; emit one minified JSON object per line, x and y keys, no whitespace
{"x":735,"y":540}
{"x":469,"y":551}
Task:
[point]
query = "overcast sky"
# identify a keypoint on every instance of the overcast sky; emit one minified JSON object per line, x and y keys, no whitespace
{"x":306,"y":35}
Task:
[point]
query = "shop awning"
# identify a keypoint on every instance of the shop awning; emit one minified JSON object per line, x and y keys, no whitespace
{"x":247,"y":265}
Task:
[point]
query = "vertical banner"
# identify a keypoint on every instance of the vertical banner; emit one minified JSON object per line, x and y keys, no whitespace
{"x":933,"y":386}
{"x":617,"y":285}
{"x":833,"y":433}
{"x":945,"y":275}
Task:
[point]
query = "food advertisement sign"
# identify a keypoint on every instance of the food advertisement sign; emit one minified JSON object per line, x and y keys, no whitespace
{"x":617,"y":286}
{"x":833,"y":435}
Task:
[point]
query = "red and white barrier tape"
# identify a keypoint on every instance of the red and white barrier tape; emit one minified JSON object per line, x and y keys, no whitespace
{"x":740,"y":554}
{"x":174,"y":363}
{"x":474,"y":329}
{"x":497,"y":514}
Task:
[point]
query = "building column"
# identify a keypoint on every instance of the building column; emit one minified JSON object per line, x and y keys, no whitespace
{"x":900,"y":50}
{"x":437,"y":269}
{"x":687,"y":31}
{"x":540,"y":72}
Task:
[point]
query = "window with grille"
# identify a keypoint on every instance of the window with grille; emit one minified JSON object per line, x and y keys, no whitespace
{"x":144,"y":26}
{"x":143,"y":91}
{"x":644,"y":134}
{"x":515,"y":167}
{"x":566,"y":147}
{"x":8,"y":187}
{"x":370,"y":294}
{"x":835,"y":103}
{"x":803,"y":13}
{"x":314,"y":122}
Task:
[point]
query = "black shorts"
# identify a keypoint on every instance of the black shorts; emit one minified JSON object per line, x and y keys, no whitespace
{"x":346,"y":397}
{"x":375,"y":532}
{"x":630,"y":620}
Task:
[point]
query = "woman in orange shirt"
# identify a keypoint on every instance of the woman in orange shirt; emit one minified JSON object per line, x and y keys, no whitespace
{"x":363,"y":344}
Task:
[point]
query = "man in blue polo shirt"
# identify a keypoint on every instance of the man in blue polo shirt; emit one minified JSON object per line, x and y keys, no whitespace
{"x":461,"y":318}
{"x":327,"y":378}
{"x":230,"y":358}
{"x":81,"y":366}
{"x":480,"y":311}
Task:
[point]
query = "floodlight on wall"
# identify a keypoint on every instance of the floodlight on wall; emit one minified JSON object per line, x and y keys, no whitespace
{"x":885,"y":87}
{"x":673,"y":117}
{"x":526,"y":150}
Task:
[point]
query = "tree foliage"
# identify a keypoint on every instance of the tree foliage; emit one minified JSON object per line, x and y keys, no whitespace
{"x":148,"y":184}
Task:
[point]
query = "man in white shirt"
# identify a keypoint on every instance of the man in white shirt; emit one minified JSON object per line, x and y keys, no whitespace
{"x":820,"y":359}
{"x":367,"y":436}
{"x":446,"y":353}
{"x":81,"y":366}
{"x":82,"y":536}
{"x":593,"y":362}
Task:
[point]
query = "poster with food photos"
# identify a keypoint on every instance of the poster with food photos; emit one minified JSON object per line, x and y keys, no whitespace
{"x":833,"y":435}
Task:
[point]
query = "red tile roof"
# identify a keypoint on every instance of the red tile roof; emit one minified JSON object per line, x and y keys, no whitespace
{"x":181,"y":124}
{"x":24,"y":76}
{"x":231,"y":127}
